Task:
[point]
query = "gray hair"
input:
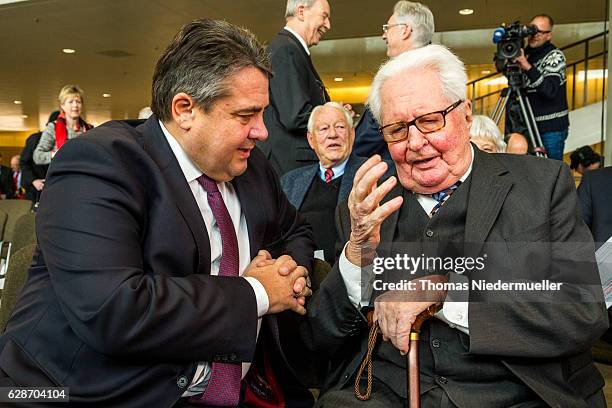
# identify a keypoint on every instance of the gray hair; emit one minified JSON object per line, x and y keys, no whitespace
{"x":200,"y":59}
{"x":335,"y":105}
{"x":292,"y":5}
{"x":419,"y":17}
{"x":483,"y":127}
{"x":435,"y":57}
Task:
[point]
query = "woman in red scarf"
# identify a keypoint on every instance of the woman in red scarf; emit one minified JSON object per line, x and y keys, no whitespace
{"x":68,"y":125}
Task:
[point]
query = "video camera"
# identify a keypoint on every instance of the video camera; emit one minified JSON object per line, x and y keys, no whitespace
{"x":510,"y":40}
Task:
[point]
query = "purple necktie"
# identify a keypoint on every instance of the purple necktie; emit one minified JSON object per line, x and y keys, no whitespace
{"x":223,"y":389}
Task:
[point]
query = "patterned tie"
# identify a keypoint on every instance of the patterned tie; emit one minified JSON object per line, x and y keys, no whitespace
{"x":329,"y":174}
{"x":442,"y":196}
{"x":223,"y":389}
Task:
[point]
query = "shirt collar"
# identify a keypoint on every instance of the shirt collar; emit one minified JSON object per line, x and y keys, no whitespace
{"x":338,"y":170}
{"x":300,"y":39}
{"x":189,"y":168}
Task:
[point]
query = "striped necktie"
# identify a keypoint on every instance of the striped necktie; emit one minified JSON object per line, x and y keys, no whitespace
{"x":329,"y":174}
{"x":442,"y":196}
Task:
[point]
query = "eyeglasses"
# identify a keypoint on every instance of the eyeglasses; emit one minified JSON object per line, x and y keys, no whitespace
{"x":427,"y":123}
{"x":543,"y":32}
{"x":386,"y":27}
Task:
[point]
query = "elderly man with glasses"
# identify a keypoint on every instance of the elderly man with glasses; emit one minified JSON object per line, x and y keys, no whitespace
{"x":545,"y":68}
{"x":516,"y":347}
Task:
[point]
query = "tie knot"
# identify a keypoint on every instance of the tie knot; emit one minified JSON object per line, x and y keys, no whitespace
{"x":209,"y":185}
{"x":329,"y":174}
{"x":441,"y":195}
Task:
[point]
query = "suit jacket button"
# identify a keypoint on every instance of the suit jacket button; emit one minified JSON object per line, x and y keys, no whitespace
{"x":182,"y":381}
{"x":429,"y":233}
{"x":435,"y":343}
{"x":233,"y":357}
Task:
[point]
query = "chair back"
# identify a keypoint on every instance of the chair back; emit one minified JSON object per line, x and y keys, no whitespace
{"x":25,"y":232}
{"x":13,"y":282}
{"x":14,"y":209}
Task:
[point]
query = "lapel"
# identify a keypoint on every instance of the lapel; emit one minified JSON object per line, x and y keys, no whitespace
{"x":156,"y":145}
{"x":387,"y":229}
{"x":302,"y":182}
{"x":488,"y":190}
{"x":347,"y":179}
{"x":253,"y":207}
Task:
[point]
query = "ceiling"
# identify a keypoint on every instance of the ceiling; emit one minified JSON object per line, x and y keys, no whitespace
{"x":118,"y":41}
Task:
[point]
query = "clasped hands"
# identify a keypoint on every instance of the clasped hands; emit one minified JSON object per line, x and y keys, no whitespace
{"x":286,"y":283}
{"x":395,"y":311}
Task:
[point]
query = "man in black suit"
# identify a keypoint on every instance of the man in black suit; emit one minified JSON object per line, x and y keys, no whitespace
{"x":515,"y":215}
{"x":33,"y":175}
{"x":7,"y":187}
{"x":163,"y":244}
{"x":295,"y":88}
{"x":410,"y":26}
{"x":595,"y":192}
{"x":317,"y":189}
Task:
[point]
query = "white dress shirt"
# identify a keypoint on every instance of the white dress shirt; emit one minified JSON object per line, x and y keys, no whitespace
{"x":338,"y":170}
{"x":192,"y":172}
{"x":300,"y":39}
{"x":455,"y":314}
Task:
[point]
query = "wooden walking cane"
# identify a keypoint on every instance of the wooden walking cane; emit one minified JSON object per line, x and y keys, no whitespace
{"x":412,"y":358}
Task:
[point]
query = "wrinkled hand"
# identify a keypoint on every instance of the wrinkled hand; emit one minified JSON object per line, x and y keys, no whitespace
{"x":396,"y":310}
{"x":38,"y":184}
{"x":285,"y":282}
{"x":366,"y":212}
{"x":522,"y":62}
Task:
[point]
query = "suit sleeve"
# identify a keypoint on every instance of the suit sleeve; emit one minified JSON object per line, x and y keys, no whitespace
{"x":92,"y":231}
{"x":289,"y":89}
{"x":547,"y":324}
{"x":25,"y":162}
{"x":368,"y":140}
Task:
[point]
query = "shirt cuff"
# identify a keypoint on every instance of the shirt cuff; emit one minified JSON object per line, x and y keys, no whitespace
{"x":358,"y":280}
{"x":263,"y":303}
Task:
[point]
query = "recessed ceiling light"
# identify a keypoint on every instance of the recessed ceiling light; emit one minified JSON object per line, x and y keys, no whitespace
{"x":338,"y":79}
{"x":106,"y":95}
{"x":466,"y":12}
{"x":485,"y":71}
{"x":68,"y":51}
{"x":17,"y":102}
{"x":24,"y":116}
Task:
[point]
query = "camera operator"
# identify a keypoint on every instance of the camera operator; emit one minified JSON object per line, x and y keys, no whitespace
{"x":544,"y":66}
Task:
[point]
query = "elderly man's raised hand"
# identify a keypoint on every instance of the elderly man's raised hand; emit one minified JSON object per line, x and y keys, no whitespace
{"x":366,"y":211}
{"x":285,"y":282}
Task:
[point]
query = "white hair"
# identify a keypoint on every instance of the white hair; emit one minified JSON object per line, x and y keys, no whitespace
{"x":483,"y":127}
{"x":292,"y":5}
{"x":419,"y":17}
{"x":145,"y":113}
{"x":335,"y":105}
{"x":435,"y":57}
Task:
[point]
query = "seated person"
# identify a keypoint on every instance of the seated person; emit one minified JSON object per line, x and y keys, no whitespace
{"x":584,"y":159}
{"x":517,"y":144}
{"x":498,"y":348}
{"x":315,"y":190}
{"x":485,"y":134}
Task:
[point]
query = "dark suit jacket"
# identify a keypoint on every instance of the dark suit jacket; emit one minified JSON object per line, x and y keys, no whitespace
{"x":30,"y":170}
{"x":297,"y":182}
{"x":119,"y":304}
{"x":513,"y":201}
{"x":6,"y":182}
{"x":368,"y":140}
{"x":595,"y":192}
{"x":295,"y":89}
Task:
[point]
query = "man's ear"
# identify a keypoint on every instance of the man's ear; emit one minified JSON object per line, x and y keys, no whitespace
{"x":182,"y":110}
{"x":407,"y":32}
{"x":299,"y":12}
{"x":468,"y":112}
{"x":310,"y":138}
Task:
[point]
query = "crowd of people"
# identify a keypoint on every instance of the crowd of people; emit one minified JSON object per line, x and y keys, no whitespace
{"x":209,"y":253}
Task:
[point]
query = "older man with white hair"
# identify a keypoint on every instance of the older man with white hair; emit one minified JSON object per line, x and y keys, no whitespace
{"x":516,"y":347}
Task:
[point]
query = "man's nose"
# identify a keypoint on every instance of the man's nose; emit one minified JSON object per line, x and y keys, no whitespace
{"x":259,"y":131}
{"x":416,"y":139}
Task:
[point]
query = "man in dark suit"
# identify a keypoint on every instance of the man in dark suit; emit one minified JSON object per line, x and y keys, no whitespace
{"x":33,"y":175}
{"x":595,"y":192}
{"x":167,"y":247}
{"x":295,"y":88}
{"x":317,"y":189}
{"x":516,"y":215}
{"x":7,"y":187}
{"x":410,"y":26}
